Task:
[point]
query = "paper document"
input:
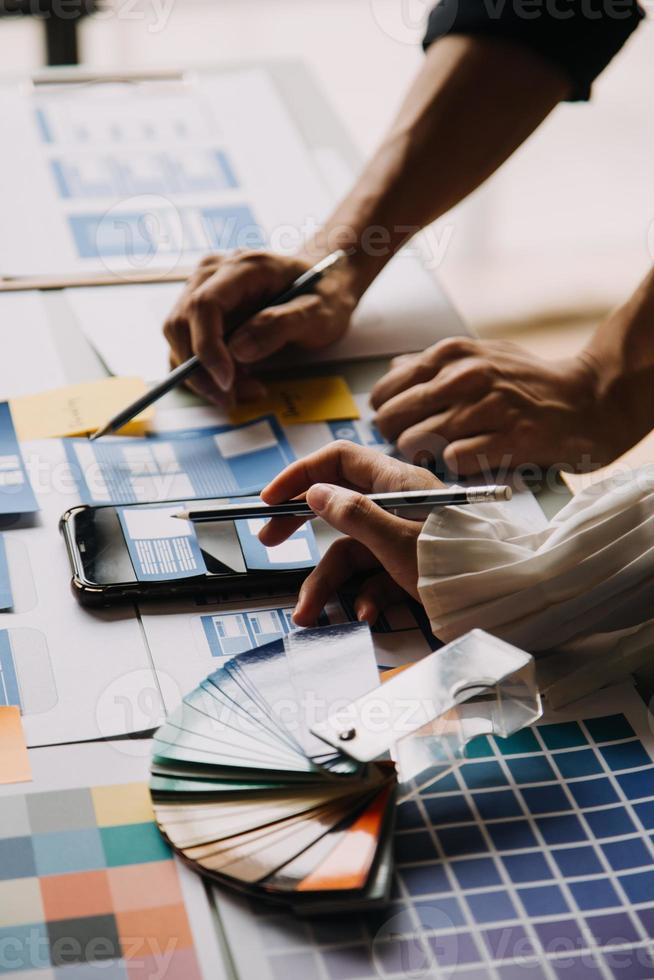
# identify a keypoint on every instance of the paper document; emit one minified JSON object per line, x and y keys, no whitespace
{"x":79,"y":410}
{"x":14,"y":758}
{"x":533,"y":859}
{"x":128,"y":179}
{"x":16,"y":494}
{"x":211,"y":632}
{"x":76,"y":673}
{"x":30,"y":361}
{"x":404,"y":310}
{"x":184,"y":465}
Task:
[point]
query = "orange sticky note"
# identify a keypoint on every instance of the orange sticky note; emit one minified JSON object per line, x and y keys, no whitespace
{"x":14,"y":760}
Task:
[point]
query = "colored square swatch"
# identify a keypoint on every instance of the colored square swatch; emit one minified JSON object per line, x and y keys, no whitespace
{"x":16,"y":858}
{"x":545,"y":900}
{"x":562,"y":735}
{"x":637,"y":785}
{"x":154,"y":925}
{"x":64,"y":811}
{"x":535,"y":769}
{"x":123,"y":804}
{"x":593,"y":792}
{"x":495,"y":805}
{"x":610,"y":822}
{"x":511,"y":835}
{"x":72,"y":850}
{"x":476,"y":872}
{"x":520,"y":743}
{"x":20,"y":902}
{"x":595,"y":894}
{"x":461,"y":840}
{"x":88,"y":939}
{"x":564,"y":829}
{"x":582,"y":762}
{"x":626,"y":755}
{"x":483,"y":775}
{"x":140,"y":886}
{"x":71,"y":896}
{"x":609,"y":728}
{"x":577,"y":861}
{"x":545,"y":799}
{"x":134,"y":843}
{"x":489,"y":907}
{"x":630,"y":853}
{"x":531,"y":866}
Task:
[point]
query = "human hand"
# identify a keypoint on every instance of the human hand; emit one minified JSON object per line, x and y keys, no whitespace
{"x":485,"y":405}
{"x":227,"y":289}
{"x":378,"y":544}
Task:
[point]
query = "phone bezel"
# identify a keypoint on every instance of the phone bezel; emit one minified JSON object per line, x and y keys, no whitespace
{"x":281,"y":582}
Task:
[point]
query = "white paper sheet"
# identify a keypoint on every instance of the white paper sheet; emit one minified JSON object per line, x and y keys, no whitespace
{"x":404,"y":310}
{"x":98,"y":680}
{"x":126,"y":179}
{"x":29,"y":362}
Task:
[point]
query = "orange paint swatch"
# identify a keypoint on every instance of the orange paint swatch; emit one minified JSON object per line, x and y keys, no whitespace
{"x":348,"y":865}
{"x":14,"y":759}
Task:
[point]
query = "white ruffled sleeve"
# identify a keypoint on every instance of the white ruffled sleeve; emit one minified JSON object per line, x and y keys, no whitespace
{"x":589,"y":571}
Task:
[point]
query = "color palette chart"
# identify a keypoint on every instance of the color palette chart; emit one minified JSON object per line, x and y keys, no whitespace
{"x":89,"y":888}
{"x":534,"y":860}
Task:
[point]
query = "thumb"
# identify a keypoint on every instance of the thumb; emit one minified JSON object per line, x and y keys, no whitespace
{"x":386,"y":536}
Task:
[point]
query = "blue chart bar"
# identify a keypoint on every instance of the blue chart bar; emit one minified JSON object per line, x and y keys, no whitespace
{"x":9,"y":691}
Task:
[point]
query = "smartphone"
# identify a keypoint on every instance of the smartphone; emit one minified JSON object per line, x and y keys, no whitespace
{"x":103,"y":572}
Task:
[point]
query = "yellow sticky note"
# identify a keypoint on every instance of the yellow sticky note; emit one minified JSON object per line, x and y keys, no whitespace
{"x":78,"y":410}
{"x":14,"y":759}
{"x":309,"y":400}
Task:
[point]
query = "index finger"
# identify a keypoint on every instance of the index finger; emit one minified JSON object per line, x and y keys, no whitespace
{"x":420,"y":368}
{"x":346,"y":464}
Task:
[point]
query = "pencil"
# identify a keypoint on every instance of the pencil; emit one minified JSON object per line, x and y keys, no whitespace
{"x":406,"y":500}
{"x":303,"y":284}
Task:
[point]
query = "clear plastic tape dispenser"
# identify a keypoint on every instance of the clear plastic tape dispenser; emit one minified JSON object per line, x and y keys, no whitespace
{"x":425,"y":715}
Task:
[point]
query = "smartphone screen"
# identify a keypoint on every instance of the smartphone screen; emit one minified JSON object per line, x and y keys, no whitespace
{"x":104,"y":556}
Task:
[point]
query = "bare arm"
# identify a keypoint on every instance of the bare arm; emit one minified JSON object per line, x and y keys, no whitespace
{"x":473,"y":102}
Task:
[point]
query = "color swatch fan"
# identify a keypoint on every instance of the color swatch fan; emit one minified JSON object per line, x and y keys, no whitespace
{"x":245,"y":792}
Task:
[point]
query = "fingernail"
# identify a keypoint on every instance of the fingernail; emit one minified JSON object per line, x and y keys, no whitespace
{"x":224,"y":375}
{"x":319,"y":495}
{"x":244,"y":347}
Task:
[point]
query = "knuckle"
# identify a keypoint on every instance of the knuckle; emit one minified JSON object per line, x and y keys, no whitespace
{"x":451,"y":347}
{"x":171,"y":330}
{"x":209,"y":261}
{"x":354,"y":507}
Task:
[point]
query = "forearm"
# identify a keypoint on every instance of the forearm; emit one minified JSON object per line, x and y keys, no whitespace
{"x":472,"y":104}
{"x":621,"y":355}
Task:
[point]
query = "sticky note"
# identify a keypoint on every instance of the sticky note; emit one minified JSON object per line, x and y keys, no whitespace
{"x":14,"y":760}
{"x":79,"y":410}
{"x":307,"y":400}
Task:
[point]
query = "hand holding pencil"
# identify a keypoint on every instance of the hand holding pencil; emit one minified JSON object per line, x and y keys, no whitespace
{"x":380,"y":546}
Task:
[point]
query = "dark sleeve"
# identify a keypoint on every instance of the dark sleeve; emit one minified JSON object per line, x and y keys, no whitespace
{"x":580,"y":36}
